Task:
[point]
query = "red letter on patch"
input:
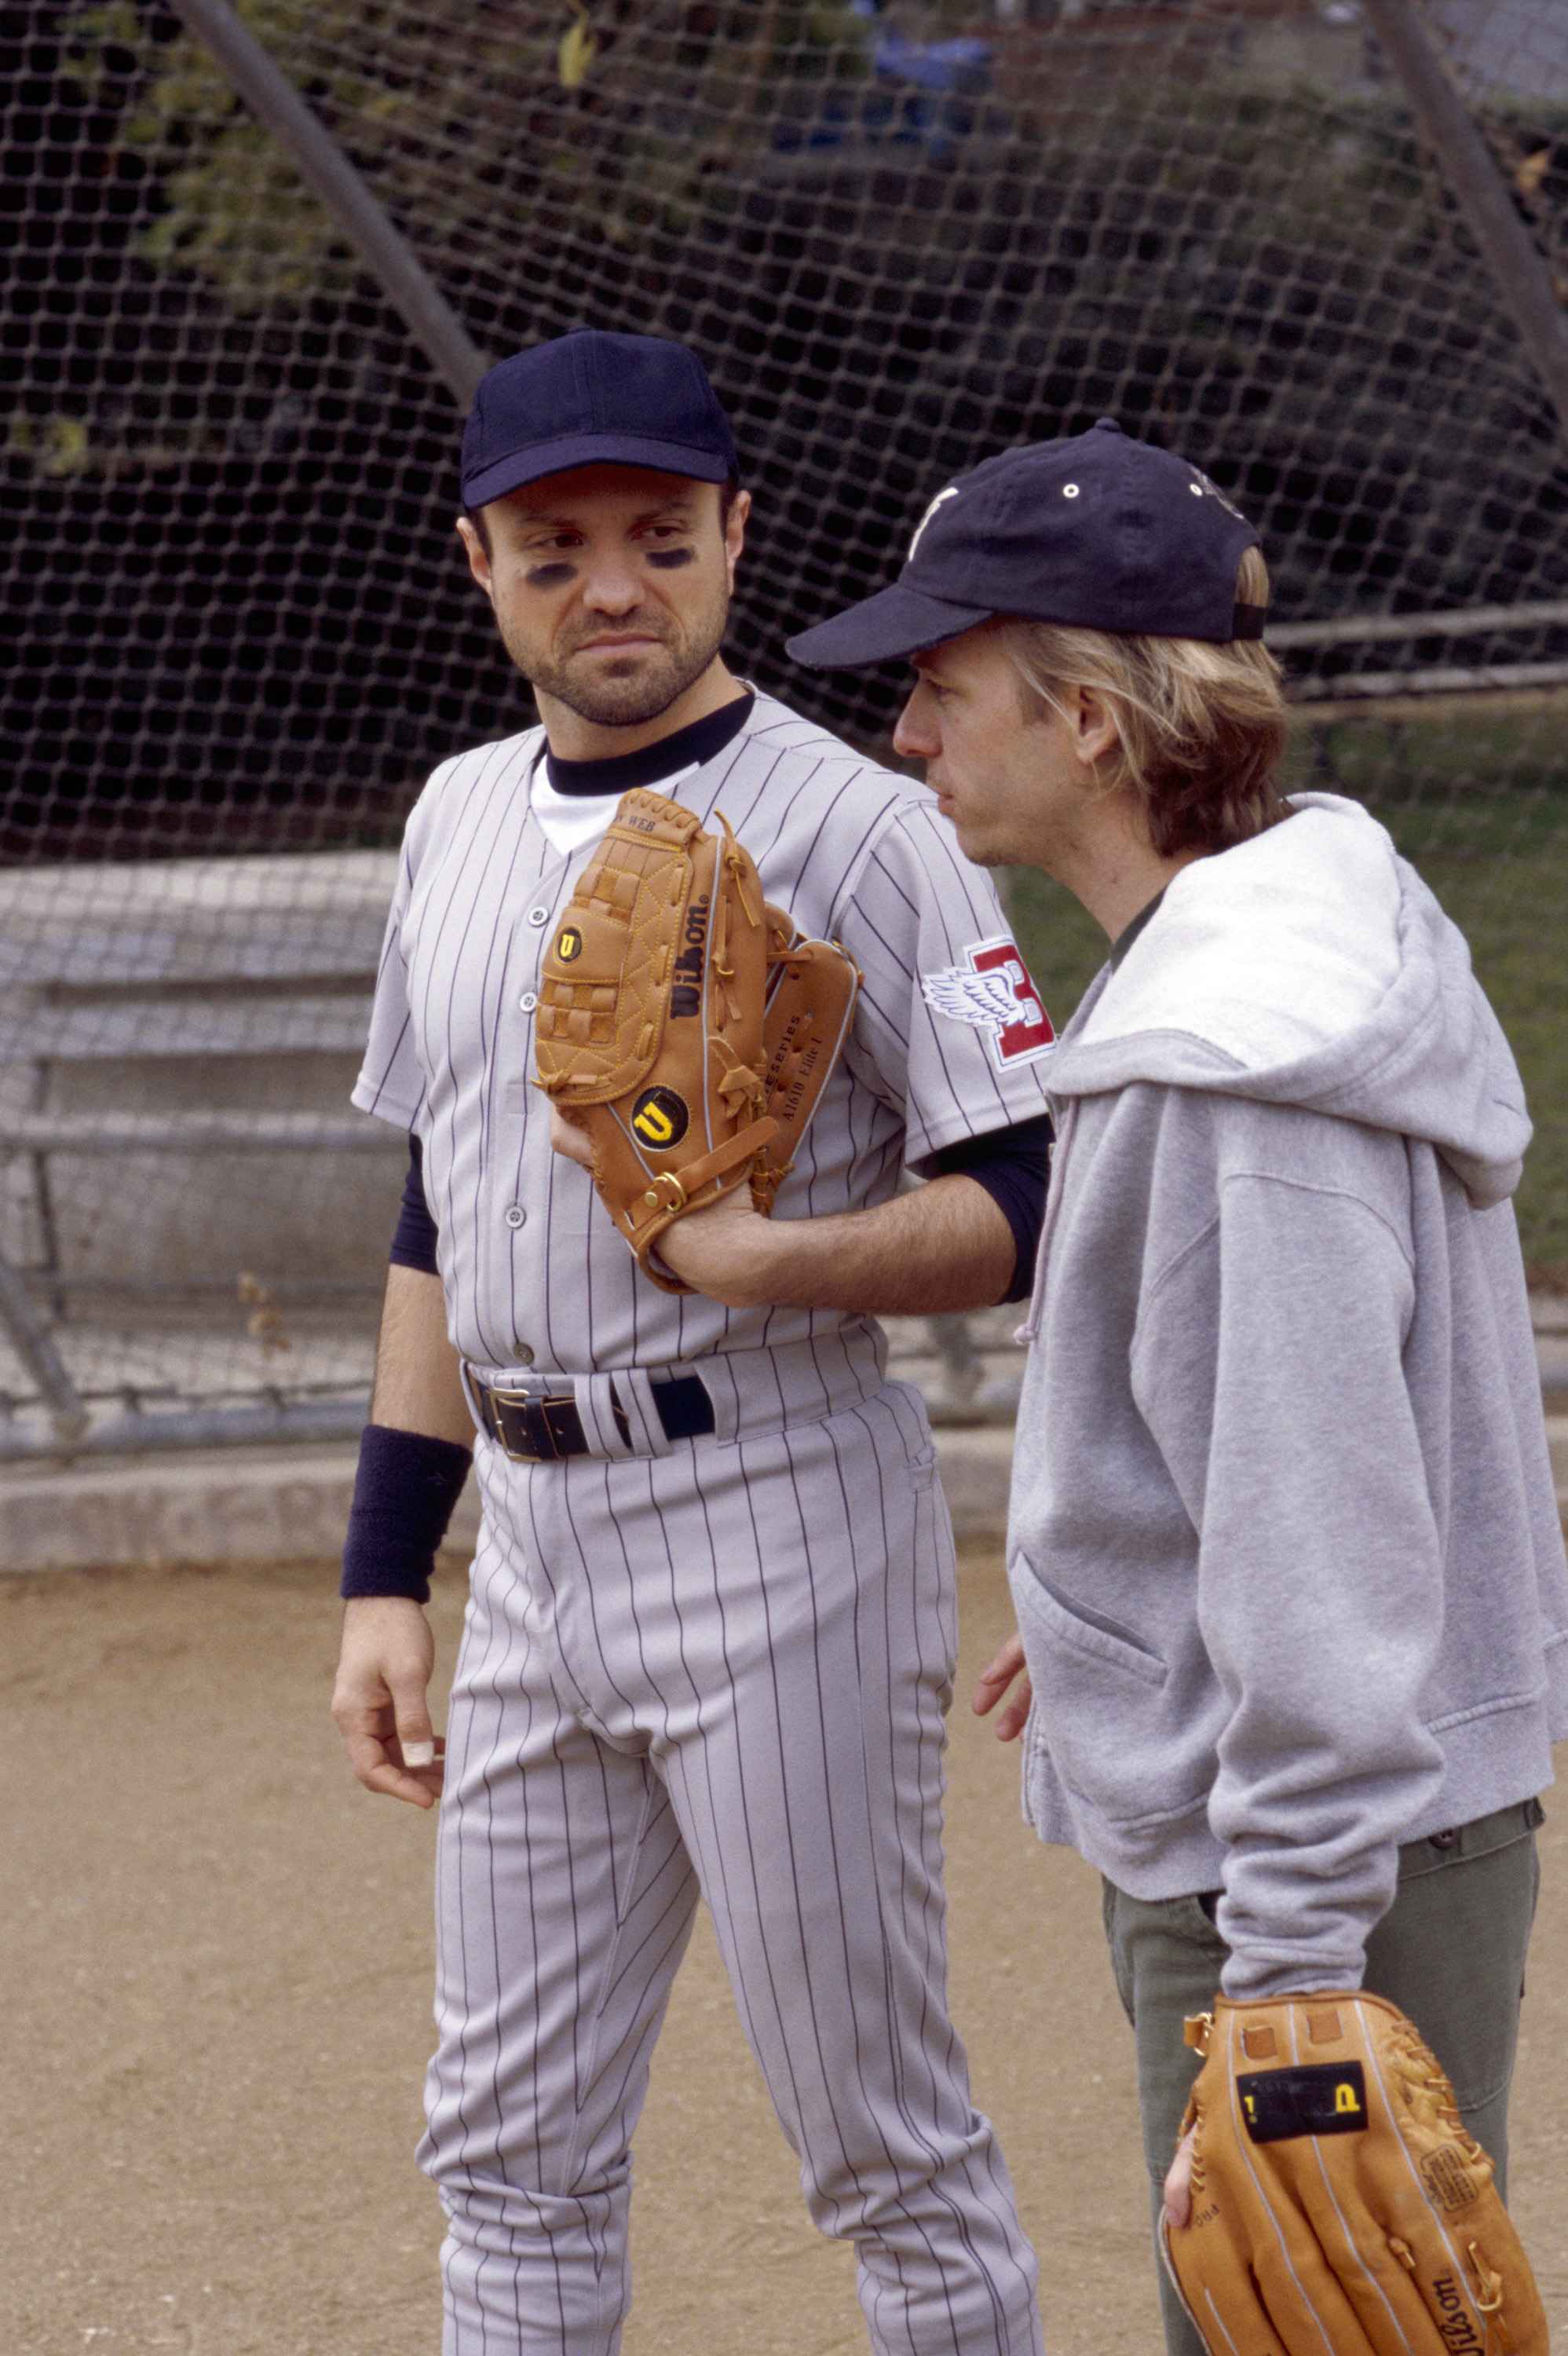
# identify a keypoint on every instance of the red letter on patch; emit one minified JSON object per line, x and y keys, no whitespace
{"x":1032,"y":1029}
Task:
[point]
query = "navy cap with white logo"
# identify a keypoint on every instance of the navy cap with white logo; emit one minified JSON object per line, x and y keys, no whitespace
{"x":594,"y":399}
{"x":1096,"y":530}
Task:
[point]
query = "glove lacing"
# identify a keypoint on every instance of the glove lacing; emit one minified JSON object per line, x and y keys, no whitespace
{"x":1427,"y":2092}
{"x":1431,"y":2101}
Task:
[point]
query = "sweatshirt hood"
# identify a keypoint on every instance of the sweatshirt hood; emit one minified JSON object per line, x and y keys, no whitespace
{"x":1312,"y":967}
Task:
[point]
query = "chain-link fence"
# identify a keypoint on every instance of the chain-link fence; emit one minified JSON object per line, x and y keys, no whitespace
{"x":901,"y":237}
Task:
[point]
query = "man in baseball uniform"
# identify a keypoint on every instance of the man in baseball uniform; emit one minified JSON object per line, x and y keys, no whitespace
{"x":710,"y":1639}
{"x":1284,"y":1546}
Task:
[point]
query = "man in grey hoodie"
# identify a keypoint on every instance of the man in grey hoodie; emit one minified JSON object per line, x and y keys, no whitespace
{"x":1284,"y":1546}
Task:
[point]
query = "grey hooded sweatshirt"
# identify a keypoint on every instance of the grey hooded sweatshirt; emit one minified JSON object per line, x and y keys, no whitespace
{"x":1284,"y":1543}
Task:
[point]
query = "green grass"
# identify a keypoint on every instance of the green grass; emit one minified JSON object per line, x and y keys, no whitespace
{"x":1498,"y":859}
{"x":1511,"y":904}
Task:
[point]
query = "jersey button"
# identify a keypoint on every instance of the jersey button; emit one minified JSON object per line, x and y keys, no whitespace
{"x":516,"y":1214}
{"x":529,"y":1000}
{"x":538,"y":916}
{"x":523,"y":1355}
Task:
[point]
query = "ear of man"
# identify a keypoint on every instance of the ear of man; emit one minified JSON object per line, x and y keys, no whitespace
{"x":1091,"y":724}
{"x":1200,"y":723}
{"x":474,"y":535}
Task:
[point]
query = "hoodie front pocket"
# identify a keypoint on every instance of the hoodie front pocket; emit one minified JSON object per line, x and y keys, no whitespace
{"x":1094,"y":1633}
{"x":1114,"y":1724}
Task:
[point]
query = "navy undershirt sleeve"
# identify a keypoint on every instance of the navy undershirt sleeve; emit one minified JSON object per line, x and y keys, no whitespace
{"x":1014,"y":1167}
{"x":414,"y":1237}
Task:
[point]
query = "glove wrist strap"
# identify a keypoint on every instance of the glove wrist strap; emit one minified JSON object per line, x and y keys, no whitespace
{"x":669,"y":1191}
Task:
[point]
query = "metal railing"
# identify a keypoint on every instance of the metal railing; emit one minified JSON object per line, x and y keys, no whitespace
{"x":135,"y":1430}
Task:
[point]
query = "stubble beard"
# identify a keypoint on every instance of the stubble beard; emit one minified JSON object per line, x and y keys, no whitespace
{"x":980,"y":852}
{"x":625,"y":692}
{"x":977,"y":852}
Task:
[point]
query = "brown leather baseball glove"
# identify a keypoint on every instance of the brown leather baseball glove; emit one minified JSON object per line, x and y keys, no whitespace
{"x":681,"y":1022}
{"x":1339,"y":2208}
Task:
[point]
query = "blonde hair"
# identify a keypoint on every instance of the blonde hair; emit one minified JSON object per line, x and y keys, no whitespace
{"x":1200,"y":726}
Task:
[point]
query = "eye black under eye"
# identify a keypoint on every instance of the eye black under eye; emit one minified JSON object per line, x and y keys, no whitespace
{"x":550,"y":576}
{"x":667,"y":559}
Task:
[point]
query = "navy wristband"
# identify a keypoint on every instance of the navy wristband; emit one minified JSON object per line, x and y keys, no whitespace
{"x":404,"y":1491}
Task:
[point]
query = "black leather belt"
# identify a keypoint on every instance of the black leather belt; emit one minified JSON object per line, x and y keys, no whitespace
{"x":544,"y":1428}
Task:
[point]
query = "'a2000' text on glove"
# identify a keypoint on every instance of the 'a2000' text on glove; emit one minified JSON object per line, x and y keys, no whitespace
{"x":682,"y":1023}
{"x":1339,"y":2208}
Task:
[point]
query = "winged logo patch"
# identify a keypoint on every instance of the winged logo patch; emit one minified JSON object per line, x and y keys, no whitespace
{"x":994,"y":993}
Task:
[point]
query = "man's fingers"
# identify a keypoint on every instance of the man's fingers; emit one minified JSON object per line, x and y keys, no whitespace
{"x":567,"y":1138}
{"x":995,"y":1679}
{"x":1177,"y":2196}
{"x":378,"y":1766}
{"x":396,"y":1784}
{"x":410,"y":1716}
{"x":1014,"y":1718}
{"x":998,"y":1675}
{"x":379,"y":1699}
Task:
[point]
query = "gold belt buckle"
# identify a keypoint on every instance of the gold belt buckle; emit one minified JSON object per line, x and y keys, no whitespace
{"x":540,"y":1426}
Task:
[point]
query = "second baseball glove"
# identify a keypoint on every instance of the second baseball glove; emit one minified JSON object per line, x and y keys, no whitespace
{"x":1339,"y":2208}
{"x":681,"y":1022}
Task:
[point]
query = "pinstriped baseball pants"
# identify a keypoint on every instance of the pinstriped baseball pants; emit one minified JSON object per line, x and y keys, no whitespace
{"x":722,"y":1671}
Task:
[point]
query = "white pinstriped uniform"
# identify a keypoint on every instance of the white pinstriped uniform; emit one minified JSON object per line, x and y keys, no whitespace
{"x":716,"y":1666}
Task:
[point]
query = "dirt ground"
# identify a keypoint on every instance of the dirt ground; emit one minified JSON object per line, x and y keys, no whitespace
{"x":215,"y":1953}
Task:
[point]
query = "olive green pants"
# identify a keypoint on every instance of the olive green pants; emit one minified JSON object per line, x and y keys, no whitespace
{"x":1449,"y":1951}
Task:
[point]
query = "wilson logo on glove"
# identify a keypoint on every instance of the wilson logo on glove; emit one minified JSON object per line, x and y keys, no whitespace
{"x":668,"y":922}
{"x":685,"y":996}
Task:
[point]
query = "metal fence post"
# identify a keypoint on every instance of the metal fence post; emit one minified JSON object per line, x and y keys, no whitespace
{"x":1507,"y":246}
{"x":387,"y":254}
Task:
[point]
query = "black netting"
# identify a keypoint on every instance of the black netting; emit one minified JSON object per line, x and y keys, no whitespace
{"x":902,"y":239}
{"x":239,"y":616}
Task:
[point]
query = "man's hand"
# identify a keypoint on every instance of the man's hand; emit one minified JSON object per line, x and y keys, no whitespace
{"x":728,"y":1251}
{"x":379,"y":1701}
{"x":1178,"y":2194}
{"x":995,"y":1679}
{"x":570,"y":1137}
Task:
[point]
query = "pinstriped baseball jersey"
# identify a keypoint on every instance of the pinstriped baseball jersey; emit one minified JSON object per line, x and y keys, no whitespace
{"x":949,"y":1040}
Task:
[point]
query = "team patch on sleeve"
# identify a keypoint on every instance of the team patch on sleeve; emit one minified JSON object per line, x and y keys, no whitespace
{"x":994,"y":993}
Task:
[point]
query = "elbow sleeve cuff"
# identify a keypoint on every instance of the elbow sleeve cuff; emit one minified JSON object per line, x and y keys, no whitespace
{"x":414,"y":1237}
{"x":1013,"y":1165}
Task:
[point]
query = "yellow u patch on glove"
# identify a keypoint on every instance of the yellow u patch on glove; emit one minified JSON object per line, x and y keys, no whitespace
{"x":682,"y":1023}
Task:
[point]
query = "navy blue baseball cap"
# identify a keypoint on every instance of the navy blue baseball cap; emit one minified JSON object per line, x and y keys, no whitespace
{"x":1096,"y":530}
{"x":592,"y":399}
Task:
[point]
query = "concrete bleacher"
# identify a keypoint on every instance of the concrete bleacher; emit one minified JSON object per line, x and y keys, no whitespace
{"x":137,"y":1002}
{"x":178,"y":1041}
